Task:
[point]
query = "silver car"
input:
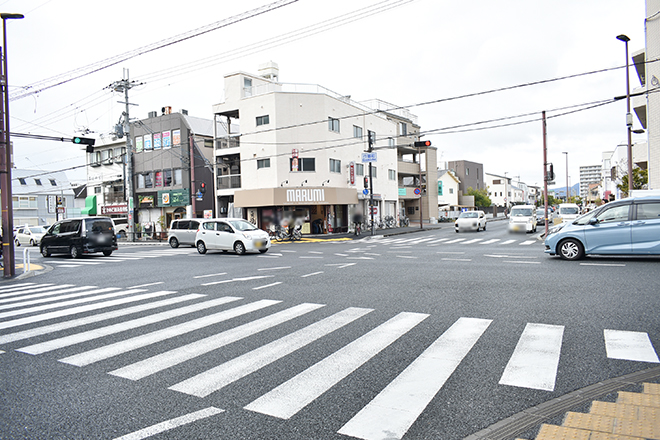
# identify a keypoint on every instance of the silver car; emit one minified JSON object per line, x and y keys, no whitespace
{"x":183,"y":232}
{"x":29,"y":235}
{"x":470,"y":221}
{"x":227,"y":234}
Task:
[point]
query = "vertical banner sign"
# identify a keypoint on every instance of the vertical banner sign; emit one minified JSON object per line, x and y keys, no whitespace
{"x":176,"y":138}
{"x":147,"y":142}
{"x":351,"y":172}
{"x":138,"y":144}
{"x":294,"y":160}
{"x":167,"y":140}
{"x":157,"y":143}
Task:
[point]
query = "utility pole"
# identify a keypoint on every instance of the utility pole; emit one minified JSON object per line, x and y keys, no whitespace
{"x":545,"y":172}
{"x":421,"y":196}
{"x":371,"y":183}
{"x":124,"y":86}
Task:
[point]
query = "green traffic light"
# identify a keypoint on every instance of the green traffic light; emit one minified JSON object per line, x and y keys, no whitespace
{"x":76,"y":140}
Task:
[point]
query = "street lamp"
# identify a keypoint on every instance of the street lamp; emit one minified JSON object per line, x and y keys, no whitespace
{"x":625,"y":39}
{"x":5,"y":158}
{"x":566,"y":153}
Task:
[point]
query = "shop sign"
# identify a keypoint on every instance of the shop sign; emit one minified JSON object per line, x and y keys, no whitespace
{"x":305,"y":195}
{"x":351,"y":172}
{"x":114,"y":209}
{"x":402,"y":192}
{"x":146,"y":201}
{"x":173,"y":197}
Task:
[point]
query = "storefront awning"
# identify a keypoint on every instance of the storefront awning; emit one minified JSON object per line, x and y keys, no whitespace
{"x":302,"y":196}
{"x":90,"y":206}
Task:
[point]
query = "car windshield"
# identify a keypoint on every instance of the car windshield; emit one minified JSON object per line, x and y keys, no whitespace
{"x":569,"y":210}
{"x":522,"y":212}
{"x":37,"y":230}
{"x":468,"y":215}
{"x":242,"y":225}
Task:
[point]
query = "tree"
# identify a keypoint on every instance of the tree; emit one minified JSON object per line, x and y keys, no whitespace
{"x":640,"y":179}
{"x":481,"y":198}
{"x":552,"y":201}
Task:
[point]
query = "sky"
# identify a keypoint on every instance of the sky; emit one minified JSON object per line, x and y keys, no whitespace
{"x":406,"y":52}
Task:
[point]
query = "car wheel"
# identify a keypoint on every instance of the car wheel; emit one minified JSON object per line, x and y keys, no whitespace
{"x":107,"y":253}
{"x":263,"y":251}
{"x":571,"y":249}
{"x":74,"y":252}
{"x":456,"y":230}
{"x":485,"y":226}
{"x":239,"y":248}
{"x":174,"y":242}
{"x":32,"y":243}
{"x":45,"y":252}
{"x":17,"y":243}
{"x":201,"y":247}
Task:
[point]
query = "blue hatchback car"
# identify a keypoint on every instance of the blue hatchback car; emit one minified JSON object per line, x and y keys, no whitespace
{"x":625,"y":227}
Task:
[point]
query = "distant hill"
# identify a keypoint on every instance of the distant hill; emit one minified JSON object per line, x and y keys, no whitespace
{"x":561,"y":191}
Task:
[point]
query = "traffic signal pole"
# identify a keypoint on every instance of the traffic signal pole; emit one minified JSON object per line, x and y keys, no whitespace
{"x":545,"y":171}
{"x":371,"y":185}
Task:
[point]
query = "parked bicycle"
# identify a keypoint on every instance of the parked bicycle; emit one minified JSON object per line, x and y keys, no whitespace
{"x":405,"y":221}
{"x":389,"y":221}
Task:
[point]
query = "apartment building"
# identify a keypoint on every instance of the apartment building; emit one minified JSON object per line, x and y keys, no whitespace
{"x":589,"y":174}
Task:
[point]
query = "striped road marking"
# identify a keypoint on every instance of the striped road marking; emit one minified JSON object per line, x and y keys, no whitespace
{"x":493,"y":240}
{"x":65,"y":303}
{"x":70,"y":293}
{"x":13,"y":291}
{"x":395,"y":409}
{"x":508,"y":242}
{"x":527,"y":243}
{"x":298,"y":392}
{"x":535,"y":359}
{"x":457,"y":240}
{"x":630,"y":346}
{"x":171,"y":424}
{"x":474,"y":240}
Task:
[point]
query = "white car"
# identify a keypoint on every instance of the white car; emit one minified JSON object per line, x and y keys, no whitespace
{"x":470,"y":221}
{"x":229,"y":234}
{"x":29,"y":235}
{"x":522,"y":218}
{"x":568,"y":212}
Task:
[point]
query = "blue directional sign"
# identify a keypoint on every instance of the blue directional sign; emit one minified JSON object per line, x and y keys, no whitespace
{"x":365,"y":191}
{"x":369,"y":157}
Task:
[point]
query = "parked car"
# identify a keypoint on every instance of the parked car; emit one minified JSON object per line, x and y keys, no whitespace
{"x":183,"y":232}
{"x":29,"y":235}
{"x":228,"y":234}
{"x":568,"y":212}
{"x":540,"y":215}
{"x":121,"y":227}
{"x":78,"y":236}
{"x":624,"y":227}
{"x":470,"y":221}
{"x":522,"y":218}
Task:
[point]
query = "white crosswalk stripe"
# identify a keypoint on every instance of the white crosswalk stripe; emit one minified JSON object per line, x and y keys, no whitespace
{"x":491,"y":241}
{"x":631,"y":346}
{"x":527,"y":243}
{"x":65,"y":303}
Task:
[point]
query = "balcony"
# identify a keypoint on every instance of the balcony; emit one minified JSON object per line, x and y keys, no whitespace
{"x":231,"y":142}
{"x":229,"y":182}
{"x":404,"y":167}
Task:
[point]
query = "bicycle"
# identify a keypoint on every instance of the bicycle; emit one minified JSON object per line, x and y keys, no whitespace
{"x":390,"y":222}
{"x":405,"y":221}
{"x":358,"y":228}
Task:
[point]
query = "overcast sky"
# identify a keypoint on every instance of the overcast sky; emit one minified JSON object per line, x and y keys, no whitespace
{"x":415,"y":52}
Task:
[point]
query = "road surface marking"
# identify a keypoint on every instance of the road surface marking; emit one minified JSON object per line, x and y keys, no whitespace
{"x":406,"y":256}
{"x":89,"y":335}
{"x":315,"y":252}
{"x":267,"y":285}
{"x":474,"y":240}
{"x":21,"y":286}
{"x":508,"y":242}
{"x":211,"y":275}
{"x":630,"y":346}
{"x":25,"y":334}
{"x":342,"y":255}
{"x":603,"y":264}
{"x":298,"y":392}
{"x":77,"y":262}
{"x":450,"y":253}
{"x":38,"y":298}
{"x":535,"y":359}
{"x":438,"y":241}
{"x":527,"y":243}
{"x":275,"y":268}
{"x":521,"y":262}
{"x":346,"y":265}
{"x":171,"y":424}
{"x":146,"y":285}
{"x":391,"y":413}
{"x":456,"y":259}
{"x":359,"y":258}
{"x":216,"y":378}
{"x":492,"y":240}
{"x":309,"y":258}
{"x":184,"y":353}
{"x":22,"y":290}
{"x":372,"y":254}
{"x":111,"y":350}
{"x":233,"y":280}
{"x":311,"y":274}
{"x":457,"y":240}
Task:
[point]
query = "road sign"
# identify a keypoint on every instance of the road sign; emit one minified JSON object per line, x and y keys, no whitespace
{"x":365,"y":191}
{"x":369,"y":157}
{"x":417,"y":191}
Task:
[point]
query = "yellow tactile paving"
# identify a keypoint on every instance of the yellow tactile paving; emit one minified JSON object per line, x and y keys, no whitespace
{"x":591,"y":422}
{"x":639,"y":399}
{"x":651,"y":388}
{"x":637,"y":428}
{"x":625,"y":411}
{"x":606,"y":436}
{"x":552,"y":432}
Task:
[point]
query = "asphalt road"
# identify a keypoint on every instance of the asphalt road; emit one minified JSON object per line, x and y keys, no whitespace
{"x":429,"y":335}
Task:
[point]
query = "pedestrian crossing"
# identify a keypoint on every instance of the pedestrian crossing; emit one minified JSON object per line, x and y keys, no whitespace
{"x":432,"y":241}
{"x":96,"y":324}
{"x":96,"y":260}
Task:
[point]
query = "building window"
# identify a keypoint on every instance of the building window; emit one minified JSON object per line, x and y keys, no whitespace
{"x":335,"y":166}
{"x":357,"y":132}
{"x":451,"y":190}
{"x":440,"y":193}
{"x":53,"y":182}
{"x":37,"y":181}
{"x":24,"y":202}
{"x":390,"y":142}
{"x":263,"y":120}
{"x":372,"y":135}
{"x":97,"y":189}
{"x":359,"y":169}
{"x":159,"y":179}
{"x":140,"y":184}
{"x":333,"y":124}
{"x":148,"y":180}
{"x":263,"y":163}
{"x":403,"y":129}
{"x":467,"y":171}
{"x":373,"y":171}
{"x":167,"y":177}
{"x":497,"y":182}
{"x":23,"y":182}
{"x":304,"y":164}
{"x":247,"y":87}
{"x":391,"y":174}
{"x":178,"y":177}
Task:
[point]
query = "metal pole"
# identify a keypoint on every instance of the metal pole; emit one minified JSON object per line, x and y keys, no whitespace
{"x":545,"y":171}
{"x":419,"y":162}
{"x":629,"y":124}
{"x":566,"y":153}
{"x":371,"y":186}
{"x":193,"y":193}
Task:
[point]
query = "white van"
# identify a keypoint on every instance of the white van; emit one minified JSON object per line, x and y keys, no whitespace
{"x":522,"y":218}
{"x":568,"y":212}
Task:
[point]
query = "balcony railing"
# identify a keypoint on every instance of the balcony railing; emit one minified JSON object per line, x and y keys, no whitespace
{"x":232,"y":142}
{"x":229,"y":182}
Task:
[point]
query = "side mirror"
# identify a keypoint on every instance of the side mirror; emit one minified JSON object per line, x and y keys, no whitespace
{"x":593,"y":221}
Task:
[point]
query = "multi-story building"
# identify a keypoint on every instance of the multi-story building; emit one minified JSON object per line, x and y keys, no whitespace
{"x":499,"y":190}
{"x":300,"y":154}
{"x":471,"y":175}
{"x":41,"y":197}
{"x":589,"y":174}
{"x":447,"y":191}
{"x":106,"y":171}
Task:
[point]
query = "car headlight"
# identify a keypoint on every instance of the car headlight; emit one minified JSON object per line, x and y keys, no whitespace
{"x":556,"y":229}
{"x":247,"y":236}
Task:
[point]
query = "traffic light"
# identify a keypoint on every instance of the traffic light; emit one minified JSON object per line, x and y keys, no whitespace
{"x":202,"y":187}
{"x":423,"y":188}
{"x":419,"y":144}
{"x":366,"y":182}
{"x":85,"y":141}
{"x":551,"y":173}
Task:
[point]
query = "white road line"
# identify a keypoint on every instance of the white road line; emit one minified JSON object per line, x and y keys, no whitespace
{"x":100,"y":332}
{"x":400,"y":247}
{"x":456,"y":259}
{"x":521,"y":262}
{"x":210,"y":275}
{"x":391,"y":413}
{"x":491,"y":241}
{"x":146,"y":285}
{"x":268,"y":256}
{"x":171,"y":424}
{"x":407,"y":256}
{"x":457,"y":240}
{"x":630,"y":346}
{"x":11,"y":337}
{"x":267,"y":285}
{"x":68,"y":265}
{"x":190,"y":351}
{"x":372,"y":254}
{"x":77,"y":262}
{"x":474,"y":240}
{"x":38,"y":298}
{"x":298,"y":392}
{"x":450,"y":253}
{"x":311,"y":274}
{"x":111,"y":350}
{"x":438,"y":241}
{"x":37,"y":293}
{"x":346,"y":265}
{"x":289,"y":251}
{"x":603,"y":264}
{"x":21,"y":286}
{"x":22,"y":290}
{"x":64,"y":303}
{"x":527,"y":243}
{"x":309,"y":258}
{"x":508,"y":242}
{"x":233,"y":280}
{"x":275,"y":268}
{"x":421,"y":240}
{"x":359,"y":258}
{"x":535,"y":359}
{"x":216,"y":378}
{"x":315,"y":252}
{"x":342,"y":255}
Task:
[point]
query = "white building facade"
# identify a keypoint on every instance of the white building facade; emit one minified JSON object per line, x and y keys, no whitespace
{"x":589,"y":174}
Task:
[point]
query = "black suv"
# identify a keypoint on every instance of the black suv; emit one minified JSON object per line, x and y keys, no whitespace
{"x":77,"y":236}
